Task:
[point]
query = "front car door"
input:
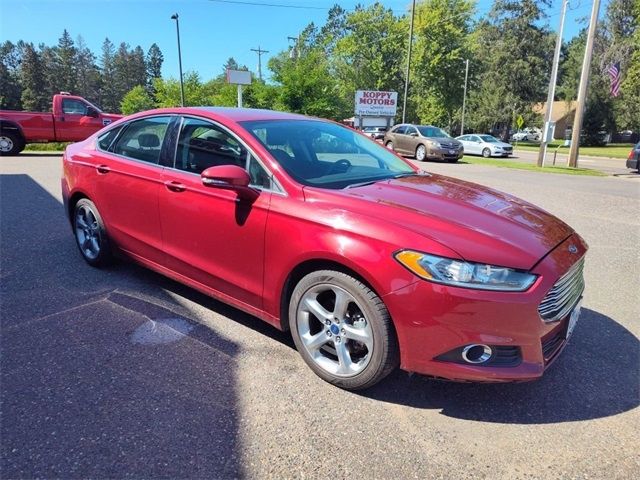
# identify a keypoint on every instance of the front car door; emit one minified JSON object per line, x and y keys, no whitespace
{"x":210,"y":235}
{"x":128,"y":181}
{"x":410,"y":140}
{"x":76,"y":124}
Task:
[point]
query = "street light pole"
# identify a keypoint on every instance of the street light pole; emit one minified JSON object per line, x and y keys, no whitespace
{"x":293,"y":53}
{"x":175,"y":17}
{"x":552,"y":87}
{"x":406,"y":77}
{"x":582,"y":90}
{"x":464,"y":96}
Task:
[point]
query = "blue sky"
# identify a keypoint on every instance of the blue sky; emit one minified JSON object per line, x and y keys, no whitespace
{"x":211,"y":31}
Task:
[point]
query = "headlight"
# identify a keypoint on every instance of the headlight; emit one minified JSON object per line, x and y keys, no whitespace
{"x":435,"y":144}
{"x":464,"y":274}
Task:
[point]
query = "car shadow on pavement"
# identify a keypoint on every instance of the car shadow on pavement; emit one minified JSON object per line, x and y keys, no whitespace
{"x":99,"y":382}
{"x":597,"y":375}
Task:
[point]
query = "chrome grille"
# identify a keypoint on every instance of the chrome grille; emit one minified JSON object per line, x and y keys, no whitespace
{"x":564,"y":294}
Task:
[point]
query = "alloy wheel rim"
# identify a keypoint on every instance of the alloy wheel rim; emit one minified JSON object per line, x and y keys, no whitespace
{"x":420,"y":153}
{"x":6,"y":144}
{"x":334,"y":331}
{"x":87,"y":232}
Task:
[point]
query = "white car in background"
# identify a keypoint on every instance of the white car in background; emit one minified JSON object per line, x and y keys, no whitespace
{"x":485,"y":145}
{"x":527,"y":135}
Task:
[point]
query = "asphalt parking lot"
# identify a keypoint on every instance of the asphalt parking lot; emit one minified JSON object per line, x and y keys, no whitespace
{"x":122,"y":373}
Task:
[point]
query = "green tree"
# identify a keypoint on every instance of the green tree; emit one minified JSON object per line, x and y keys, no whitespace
{"x":626,"y":108}
{"x":9,"y":77}
{"x":168,"y":91}
{"x":136,"y":100}
{"x":369,"y":53}
{"x":34,"y":96}
{"x":109,"y":97}
{"x":513,"y":50}
{"x":154,"y":62}
{"x":64,"y":68}
{"x":88,"y":75}
{"x":443,"y":42}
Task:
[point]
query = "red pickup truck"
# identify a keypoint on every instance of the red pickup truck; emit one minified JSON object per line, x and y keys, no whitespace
{"x":73,"y":119}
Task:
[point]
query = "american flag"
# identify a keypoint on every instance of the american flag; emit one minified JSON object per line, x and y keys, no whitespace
{"x":614,"y":74}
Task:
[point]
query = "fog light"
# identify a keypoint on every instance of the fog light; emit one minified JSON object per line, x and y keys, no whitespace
{"x":476,"y":353}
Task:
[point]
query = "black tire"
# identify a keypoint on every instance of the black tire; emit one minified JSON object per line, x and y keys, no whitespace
{"x":365,"y":307}
{"x":423,"y":149}
{"x":389,"y":145}
{"x":90,"y":229}
{"x":486,"y":153}
{"x":10,"y":143}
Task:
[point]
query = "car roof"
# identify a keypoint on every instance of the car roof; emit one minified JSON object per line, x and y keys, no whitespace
{"x":228,"y":113}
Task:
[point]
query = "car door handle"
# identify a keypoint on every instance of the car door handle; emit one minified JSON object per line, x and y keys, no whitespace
{"x":175,"y":186}
{"x":103,"y":169}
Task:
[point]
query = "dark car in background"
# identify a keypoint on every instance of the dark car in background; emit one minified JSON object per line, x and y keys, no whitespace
{"x":633,"y":160}
{"x":425,"y":142}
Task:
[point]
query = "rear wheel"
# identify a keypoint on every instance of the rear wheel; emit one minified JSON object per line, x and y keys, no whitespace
{"x":421,"y":153}
{"x":389,"y":145}
{"x":486,"y":153}
{"x":91,"y":236}
{"x":342,"y":330}
{"x":10,"y":143}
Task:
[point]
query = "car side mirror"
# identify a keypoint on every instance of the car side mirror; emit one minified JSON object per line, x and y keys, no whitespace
{"x":229,"y":177}
{"x":92,"y":112}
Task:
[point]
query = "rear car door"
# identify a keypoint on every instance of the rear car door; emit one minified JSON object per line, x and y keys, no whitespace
{"x":210,"y":235}
{"x":75,"y":124}
{"x":127,"y":185}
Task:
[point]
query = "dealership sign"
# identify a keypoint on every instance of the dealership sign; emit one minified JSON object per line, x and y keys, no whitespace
{"x":379,"y":104}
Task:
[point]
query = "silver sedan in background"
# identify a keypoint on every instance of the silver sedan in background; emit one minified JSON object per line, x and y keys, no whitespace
{"x":485,"y":145}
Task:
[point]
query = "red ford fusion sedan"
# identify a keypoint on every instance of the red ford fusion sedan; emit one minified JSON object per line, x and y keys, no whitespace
{"x":370,"y":262}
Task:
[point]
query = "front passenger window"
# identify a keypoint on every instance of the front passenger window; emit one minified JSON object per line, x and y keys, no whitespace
{"x":143,"y":139}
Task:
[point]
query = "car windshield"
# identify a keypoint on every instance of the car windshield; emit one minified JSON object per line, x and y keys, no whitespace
{"x":488,"y":138}
{"x":433,"y":132}
{"x":326,"y":155}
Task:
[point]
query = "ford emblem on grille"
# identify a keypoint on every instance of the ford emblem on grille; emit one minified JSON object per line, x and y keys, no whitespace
{"x":573,"y":249}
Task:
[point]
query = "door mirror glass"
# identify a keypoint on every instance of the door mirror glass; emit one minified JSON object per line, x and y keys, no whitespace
{"x":92,"y":112}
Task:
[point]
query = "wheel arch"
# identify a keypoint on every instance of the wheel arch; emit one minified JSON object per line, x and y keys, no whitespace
{"x":306,"y":267}
{"x":71,"y":205}
{"x":10,"y":126}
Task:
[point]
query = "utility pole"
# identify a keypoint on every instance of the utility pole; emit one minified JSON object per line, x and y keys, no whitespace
{"x":584,"y":84}
{"x":464,"y":96}
{"x":259,"y":52}
{"x":175,"y":17}
{"x":552,"y":87}
{"x":293,"y":53}
{"x":406,"y":77}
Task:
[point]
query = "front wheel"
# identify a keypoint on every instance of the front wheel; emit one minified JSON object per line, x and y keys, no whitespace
{"x":342,"y":330}
{"x":486,"y":153}
{"x":10,"y":144}
{"x":421,"y":153}
{"x":90,"y":233}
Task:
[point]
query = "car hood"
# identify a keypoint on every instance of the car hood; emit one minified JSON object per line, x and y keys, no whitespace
{"x":480,"y":224}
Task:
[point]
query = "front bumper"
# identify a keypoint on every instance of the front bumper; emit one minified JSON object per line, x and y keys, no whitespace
{"x":445,"y":153}
{"x":433,"y":319}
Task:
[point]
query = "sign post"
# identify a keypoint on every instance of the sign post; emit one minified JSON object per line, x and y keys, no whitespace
{"x":239,"y":78}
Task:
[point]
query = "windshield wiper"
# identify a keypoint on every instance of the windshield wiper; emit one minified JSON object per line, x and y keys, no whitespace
{"x":362,"y":184}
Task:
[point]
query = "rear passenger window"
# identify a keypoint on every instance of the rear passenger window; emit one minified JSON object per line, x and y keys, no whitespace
{"x":143,"y":139}
{"x":400,"y":130}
